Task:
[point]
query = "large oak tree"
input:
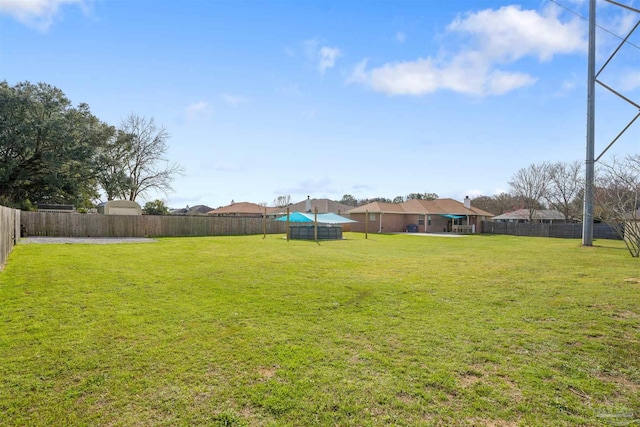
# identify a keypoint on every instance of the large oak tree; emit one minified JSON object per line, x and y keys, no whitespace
{"x":47,"y":147}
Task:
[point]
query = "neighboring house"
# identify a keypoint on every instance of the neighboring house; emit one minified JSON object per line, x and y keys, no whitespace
{"x":193,"y":210}
{"x":424,"y":216}
{"x":323,"y":206}
{"x":544,"y":216}
{"x":119,"y":207}
{"x":245,"y":209}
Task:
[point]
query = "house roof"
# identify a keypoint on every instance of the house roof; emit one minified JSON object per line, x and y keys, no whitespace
{"x":323,"y":205}
{"x":378,"y":207}
{"x":193,"y":210}
{"x":541,"y":214}
{"x":422,"y":207}
{"x":198,"y":210}
{"x":243,"y":208}
{"x":248,"y":208}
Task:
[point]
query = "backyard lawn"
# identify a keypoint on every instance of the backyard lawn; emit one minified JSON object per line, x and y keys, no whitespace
{"x":395,"y":330}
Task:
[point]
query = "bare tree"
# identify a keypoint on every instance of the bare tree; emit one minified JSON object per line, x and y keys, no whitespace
{"x":618,"y":199}
{"x":143,"y":161}
{"x":564,"y":187}
{"x":497,"y":204}
{"x":282,"y":201}
{"x":530,"y":185}
{"x":110,"y":173}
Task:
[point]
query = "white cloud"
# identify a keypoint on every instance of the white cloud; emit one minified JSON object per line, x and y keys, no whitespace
{"x":198,"y":110}
{"x":400,"y":37}
{"x":497,"y":37}
{"x":500,"y":82}
{"x":234,"y":100}
{"x":38,"y":14}
{"x":405,"y":78}
{"x":328,"y":57}
{"x":510,"y":33}
{"x":324,"y":56}
{"x":423,"y":76}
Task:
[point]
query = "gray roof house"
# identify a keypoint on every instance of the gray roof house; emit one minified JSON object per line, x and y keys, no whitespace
{"x":323,"y":205}
{"x":546,"y":216}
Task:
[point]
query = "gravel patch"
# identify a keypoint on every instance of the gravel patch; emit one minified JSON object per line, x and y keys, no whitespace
{"x":86,"y":240}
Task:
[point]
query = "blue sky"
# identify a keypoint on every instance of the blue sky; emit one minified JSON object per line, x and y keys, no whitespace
{"x":368,"y":98}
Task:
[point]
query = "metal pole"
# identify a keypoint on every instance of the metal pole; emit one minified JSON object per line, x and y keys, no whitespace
{"x":366,"y":224}
{"x":315,"y":223}
{"x":587,"y":220}
{"x":287,"y":226}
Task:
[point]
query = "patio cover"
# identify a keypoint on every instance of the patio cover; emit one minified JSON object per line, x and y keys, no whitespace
{"x":326,"y":218}
{"x":452,"y":216}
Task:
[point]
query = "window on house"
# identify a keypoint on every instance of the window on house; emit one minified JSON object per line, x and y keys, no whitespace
{"x":421,"y":221}
{"x":372,"y":217}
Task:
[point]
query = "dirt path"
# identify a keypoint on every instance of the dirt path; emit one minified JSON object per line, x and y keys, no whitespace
{"x":85,"y":240}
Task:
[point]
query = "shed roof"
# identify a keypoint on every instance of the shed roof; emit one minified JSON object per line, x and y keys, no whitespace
{"x":120,"y":204}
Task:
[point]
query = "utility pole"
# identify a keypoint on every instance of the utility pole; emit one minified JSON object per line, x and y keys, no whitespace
{"x":587,"y":217}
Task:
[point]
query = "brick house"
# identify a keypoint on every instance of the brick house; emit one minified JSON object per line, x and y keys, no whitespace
{"x":423,"y":216}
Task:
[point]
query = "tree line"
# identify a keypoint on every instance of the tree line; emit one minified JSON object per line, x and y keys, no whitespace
{"x":349,"y":200}
{"x":557,"y":186}
{"x":55,"y":153}
{"x":560,"y":186}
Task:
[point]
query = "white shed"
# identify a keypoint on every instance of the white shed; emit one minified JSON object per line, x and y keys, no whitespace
{"x":119,"y":207}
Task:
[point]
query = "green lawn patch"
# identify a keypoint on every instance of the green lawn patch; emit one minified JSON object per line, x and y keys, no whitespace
{"x":394,"y":330}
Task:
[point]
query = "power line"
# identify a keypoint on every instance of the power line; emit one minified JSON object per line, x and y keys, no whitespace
{"x":624,"y":6}
{"x":599,"y":26}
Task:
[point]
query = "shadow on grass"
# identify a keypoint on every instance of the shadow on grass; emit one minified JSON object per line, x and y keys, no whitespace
{"x":607,"y":244}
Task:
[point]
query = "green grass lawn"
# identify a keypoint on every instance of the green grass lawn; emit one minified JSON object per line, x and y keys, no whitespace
{"x":394,"y":330}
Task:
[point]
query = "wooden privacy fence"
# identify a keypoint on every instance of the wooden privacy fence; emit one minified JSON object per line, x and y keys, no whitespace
{"x":9,"y":232}
{"x":56,"y":224}
{"x":570,"y":231}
